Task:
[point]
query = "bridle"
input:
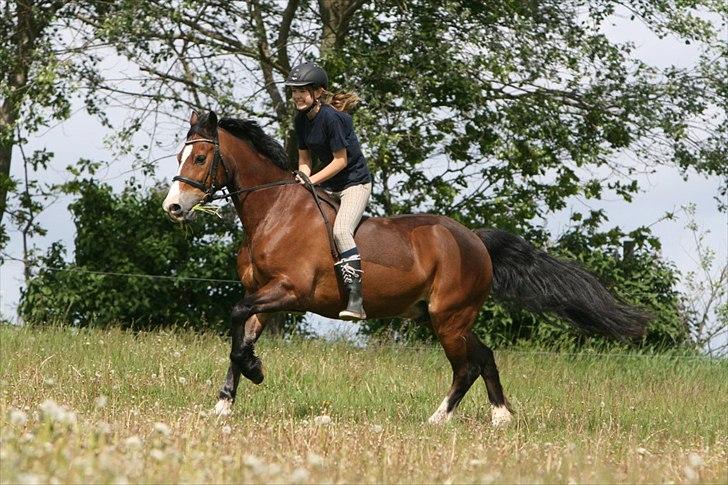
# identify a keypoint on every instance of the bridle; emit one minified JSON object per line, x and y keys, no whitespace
{"x":211,"y":189}
{"x":203,"y":186}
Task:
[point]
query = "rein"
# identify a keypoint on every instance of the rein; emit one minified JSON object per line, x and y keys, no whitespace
{"x":212,"y":188}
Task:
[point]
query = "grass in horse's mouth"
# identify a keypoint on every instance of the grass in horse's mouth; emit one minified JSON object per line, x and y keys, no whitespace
{"x":207,"y":209}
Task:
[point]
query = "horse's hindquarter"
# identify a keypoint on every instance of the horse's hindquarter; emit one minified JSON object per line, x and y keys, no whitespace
{"x":412,"y":258}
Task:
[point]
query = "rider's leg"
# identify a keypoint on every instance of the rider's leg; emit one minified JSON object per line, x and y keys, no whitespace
{"x":353,"y":202}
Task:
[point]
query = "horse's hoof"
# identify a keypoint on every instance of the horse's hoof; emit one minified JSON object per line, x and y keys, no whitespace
{"x":437,"y":420}
{"x":224,"y":407}
{"x":441,"y":416}
{"x":254,"y":372}
{"x":501,"y":417}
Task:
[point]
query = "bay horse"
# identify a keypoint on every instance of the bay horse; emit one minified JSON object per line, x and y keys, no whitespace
{"x":424,"y":267}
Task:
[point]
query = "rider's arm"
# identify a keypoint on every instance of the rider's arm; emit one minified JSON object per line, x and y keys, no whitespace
{"x":304,"y":162}
{"x":337,"y":165}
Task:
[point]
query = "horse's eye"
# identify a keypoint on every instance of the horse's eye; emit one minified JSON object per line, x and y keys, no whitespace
{"x":200,"y":159}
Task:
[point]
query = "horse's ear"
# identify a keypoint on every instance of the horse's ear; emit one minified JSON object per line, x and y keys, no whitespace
{"x":194,"y":118}
{"x":212,"y":120}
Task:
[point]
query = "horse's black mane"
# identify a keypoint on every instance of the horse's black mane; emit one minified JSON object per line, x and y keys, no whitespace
{"x":251,"y":132}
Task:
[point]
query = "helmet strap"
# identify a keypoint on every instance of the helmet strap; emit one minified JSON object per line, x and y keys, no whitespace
{"x":313,"y":105}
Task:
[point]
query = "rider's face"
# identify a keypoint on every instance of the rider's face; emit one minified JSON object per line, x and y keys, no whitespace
{"x":303,"y":97}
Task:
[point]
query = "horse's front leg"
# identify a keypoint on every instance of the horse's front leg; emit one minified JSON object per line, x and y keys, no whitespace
{"x":247,"y":323}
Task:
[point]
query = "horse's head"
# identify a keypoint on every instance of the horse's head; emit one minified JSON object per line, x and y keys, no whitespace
{"x":201,"y":169}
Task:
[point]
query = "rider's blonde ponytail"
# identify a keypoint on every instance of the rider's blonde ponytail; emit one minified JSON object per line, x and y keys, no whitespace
{"x":341,"y":101}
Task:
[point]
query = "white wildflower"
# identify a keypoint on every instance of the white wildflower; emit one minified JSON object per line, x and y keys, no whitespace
{"x":227,"y":429}
{"x":490,"y":477}
{"x":29,"y":478}
{"x":322,"y":420}
{"x":695,"y":460}
{"x":49,"y":381}
{"x":273,"y":469}
{"x":255,"y":464}
{"x":133,"y":443}
{"x":182,"y":380}
{"x":691,"y":475}
{"x":157,"y":454}
{"x":162,"y":429}
{"x":376,"y":428}
{"x":100,"y":401}
{"x":314,"y":459}
{"x":102,"y":427}
{"x":299,"y":475}
{"x":57,"y":414}
{"x":17,"y":417}
{"x":176,"y":354}
{"x":208,"y":382}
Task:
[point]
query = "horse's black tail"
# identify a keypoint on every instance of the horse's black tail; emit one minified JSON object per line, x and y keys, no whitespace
{"x":531,"y":278}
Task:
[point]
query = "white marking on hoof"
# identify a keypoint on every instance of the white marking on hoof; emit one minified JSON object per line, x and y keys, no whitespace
{"x":223,"y":407}
{"x":500,"y":416}
{"x":441,"y":415}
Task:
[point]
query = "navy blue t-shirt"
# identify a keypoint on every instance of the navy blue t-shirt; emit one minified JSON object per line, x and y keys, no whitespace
{"x":331,"y":130}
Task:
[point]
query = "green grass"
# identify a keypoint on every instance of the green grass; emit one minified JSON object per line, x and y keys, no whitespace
{"x":582,"y":418}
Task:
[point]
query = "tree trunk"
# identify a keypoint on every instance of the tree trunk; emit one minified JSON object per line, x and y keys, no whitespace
{"x":22,"y":39}
{"x":335,"y":18}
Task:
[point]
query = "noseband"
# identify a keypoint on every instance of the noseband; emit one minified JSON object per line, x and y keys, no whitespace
{"x":210,"y":189}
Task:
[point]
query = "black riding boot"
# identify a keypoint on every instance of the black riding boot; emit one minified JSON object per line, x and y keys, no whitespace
{"x":349,"y":270}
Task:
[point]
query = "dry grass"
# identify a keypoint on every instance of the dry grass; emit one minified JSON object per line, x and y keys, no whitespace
{"x":136,"y":410}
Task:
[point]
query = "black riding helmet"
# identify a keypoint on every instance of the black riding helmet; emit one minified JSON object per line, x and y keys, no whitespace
{"x":307,"y":74}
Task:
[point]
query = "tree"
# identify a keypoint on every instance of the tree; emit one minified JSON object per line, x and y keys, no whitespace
{"x":704,"y":304}
{"x":492,"y":112}
{"x":134,"y":268}
{"x":32,"y":87}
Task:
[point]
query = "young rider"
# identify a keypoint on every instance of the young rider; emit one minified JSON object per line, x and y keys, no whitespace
{"x":325,"y":129}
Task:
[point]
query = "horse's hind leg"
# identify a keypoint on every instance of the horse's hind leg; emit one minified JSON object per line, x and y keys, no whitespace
{"x":462,"y":349}
{"x":469,"y":358}
{"x":501,"y":412}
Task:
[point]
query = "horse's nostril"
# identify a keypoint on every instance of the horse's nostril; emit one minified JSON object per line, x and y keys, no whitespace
{"x":175,"y":209}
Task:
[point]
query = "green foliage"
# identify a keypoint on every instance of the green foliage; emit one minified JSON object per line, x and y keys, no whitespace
{"x":127,"y":234}
{"x":498,"y":113}
{"x":36,"y":83}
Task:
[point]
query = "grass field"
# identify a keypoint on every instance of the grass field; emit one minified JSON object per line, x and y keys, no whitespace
{"x":112,"y":406}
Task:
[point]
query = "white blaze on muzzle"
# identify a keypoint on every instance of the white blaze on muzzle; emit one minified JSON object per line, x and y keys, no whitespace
{"x":173,"y":196}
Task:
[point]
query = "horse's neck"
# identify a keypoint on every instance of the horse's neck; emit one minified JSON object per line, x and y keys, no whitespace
{"x":253,"y":170}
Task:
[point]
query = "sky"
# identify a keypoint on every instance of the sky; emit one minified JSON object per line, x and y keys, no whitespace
{"x":82,"y":136}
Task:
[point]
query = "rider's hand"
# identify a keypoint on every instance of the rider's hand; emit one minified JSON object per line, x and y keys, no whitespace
{"x":302,"y":178}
